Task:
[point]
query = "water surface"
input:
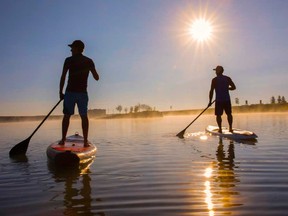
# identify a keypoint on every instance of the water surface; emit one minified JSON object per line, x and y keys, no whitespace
{"x":142,"y":168}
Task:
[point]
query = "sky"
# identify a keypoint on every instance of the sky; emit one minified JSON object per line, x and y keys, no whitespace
{"x":142,"y":51}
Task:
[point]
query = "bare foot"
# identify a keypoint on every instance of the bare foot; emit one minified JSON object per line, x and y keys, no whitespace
{"x":86,"y":144}
{"x":61,"y":142}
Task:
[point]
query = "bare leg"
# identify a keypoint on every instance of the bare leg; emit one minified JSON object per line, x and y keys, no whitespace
{"x":219,"y":122}
{"x":65,"y":126}
{"x":230,"y":122}
{"x":85,"y":128}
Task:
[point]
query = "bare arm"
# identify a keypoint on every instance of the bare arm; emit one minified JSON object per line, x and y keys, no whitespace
{"x":231,"y":85}
{"x":62,"y":82}
{"x":211,"y":92}
{"x":95,"y":74}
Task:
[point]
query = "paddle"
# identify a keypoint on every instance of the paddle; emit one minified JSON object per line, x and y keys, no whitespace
{"x":21,"y":148}
{"x":181,"y":134}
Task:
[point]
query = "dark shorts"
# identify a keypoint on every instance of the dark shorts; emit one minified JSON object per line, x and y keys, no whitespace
{"x":73,"y":98}
{"x":220,"y":106}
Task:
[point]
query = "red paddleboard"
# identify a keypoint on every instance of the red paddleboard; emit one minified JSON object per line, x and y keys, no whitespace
{"x":72,"y":152}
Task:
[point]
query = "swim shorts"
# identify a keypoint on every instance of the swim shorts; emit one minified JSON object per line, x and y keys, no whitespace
{"x":73,"y":98}
{"x":220,"y":106}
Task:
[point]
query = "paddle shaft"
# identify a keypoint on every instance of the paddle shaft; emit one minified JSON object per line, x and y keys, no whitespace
{"x":45,"y":118}
{"x":21,"y":148}
{"x":199,"y":115}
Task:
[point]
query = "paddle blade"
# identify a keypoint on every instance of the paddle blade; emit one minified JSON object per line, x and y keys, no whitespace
{"x":20,"y":148}
{"x":181,"y":134}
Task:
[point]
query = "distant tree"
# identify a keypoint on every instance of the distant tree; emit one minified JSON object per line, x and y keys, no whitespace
{"x":279,"y":100}
{"x":283,"y":100}
{"x":237,"y":101}
{"x":273,"y":100}
{"x":145,"y":107}
{"x":136,"y":108}
{"x":119,"y":108}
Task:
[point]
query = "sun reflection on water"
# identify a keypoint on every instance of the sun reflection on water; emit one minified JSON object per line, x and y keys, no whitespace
{"x":208,"y":172}
{"x":207,"y":191}
{"x":203,"y":137}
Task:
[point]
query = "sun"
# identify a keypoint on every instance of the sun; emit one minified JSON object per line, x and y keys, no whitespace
{"x":200,"y":30}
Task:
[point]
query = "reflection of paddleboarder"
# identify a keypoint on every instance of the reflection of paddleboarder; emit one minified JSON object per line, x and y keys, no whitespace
{"x":222,"y":84}
{"x":79,"y":67}
{"x":77,"y":190}
{"x":226,"y":178}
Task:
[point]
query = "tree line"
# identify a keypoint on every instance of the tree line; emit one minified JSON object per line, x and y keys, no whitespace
{"x":134,"y":109}
{"x":273,"y":100}
{"x":280,"y":100}
{"x":144,"y":107}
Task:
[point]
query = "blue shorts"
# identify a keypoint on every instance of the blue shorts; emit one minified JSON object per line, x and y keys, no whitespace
{"x":73,"y":98}
{"x":220,"y":106}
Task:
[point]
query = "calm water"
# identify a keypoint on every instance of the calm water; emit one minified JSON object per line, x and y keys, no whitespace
{"x":142,"y":168}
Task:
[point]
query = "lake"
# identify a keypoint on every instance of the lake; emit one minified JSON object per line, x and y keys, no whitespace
{"x":142,"y":168}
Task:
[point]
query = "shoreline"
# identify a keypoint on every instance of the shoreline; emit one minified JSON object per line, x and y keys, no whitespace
{"x":254,"y":108}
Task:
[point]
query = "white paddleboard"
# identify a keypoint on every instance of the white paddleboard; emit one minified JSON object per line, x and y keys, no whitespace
{"x":237,"y":134}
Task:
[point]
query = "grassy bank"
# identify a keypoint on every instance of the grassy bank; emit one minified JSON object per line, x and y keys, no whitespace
{"x":236,"y":109}
{"x":145,"y":114}
{"x":151,"y":114}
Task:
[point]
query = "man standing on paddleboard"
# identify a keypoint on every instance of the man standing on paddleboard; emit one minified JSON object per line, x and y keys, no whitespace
{"x":78,"y":67}
{"x":222,"y":84}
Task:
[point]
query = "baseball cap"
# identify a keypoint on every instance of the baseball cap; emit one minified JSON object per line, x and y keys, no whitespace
{"x":219,"y":68}
{"x":77,"y":43}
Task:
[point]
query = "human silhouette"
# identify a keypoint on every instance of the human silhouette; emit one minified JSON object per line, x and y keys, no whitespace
{"x":78,"y":66}
{"x":225,"y":177}
{"x":77,"y":190}
{"x":222,"y":84}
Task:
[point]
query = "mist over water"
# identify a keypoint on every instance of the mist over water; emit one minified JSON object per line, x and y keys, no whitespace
{"x":142,"y":168}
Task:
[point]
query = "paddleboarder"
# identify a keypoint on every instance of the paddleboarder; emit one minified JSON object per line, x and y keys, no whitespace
{"x":78,"y":66}
{"x":222,"y":84}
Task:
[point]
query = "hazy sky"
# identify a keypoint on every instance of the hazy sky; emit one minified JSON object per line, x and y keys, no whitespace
{"x":142,"y":51}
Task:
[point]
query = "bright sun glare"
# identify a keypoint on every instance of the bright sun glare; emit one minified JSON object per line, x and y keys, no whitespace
{"x":200,"y":30}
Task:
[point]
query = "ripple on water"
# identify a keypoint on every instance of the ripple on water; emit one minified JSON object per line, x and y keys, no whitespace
{"x":142,"y":168}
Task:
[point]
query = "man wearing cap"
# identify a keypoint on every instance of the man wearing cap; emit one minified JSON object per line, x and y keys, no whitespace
{"x":78,"y":67}
{"x":222,"y":84}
